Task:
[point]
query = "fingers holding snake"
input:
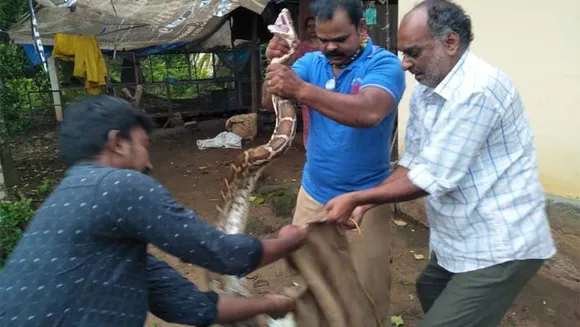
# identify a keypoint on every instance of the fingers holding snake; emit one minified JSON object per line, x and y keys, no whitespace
{"x":283,"y":81}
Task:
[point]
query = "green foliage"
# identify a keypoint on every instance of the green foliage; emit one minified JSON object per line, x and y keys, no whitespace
{"x":24,"y":90}
{"x":184,"y":67}
{"x":14,"y":217}
{"x":16,"y":77}
{"x":18,"y":99}
{"x":13,"y":61}
{"x":263,"y":48}
{"x":11,"y":11}
{"x":397,"y":321}
{"x":282,"y":199}
{"x":18,"y":81}
{"x":45,"y":187}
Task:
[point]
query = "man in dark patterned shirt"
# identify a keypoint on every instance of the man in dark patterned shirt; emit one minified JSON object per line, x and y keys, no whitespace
{"x":83,"y":259}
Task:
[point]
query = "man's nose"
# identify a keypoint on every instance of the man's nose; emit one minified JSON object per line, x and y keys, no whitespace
{"x":406,"y":63}
{"x":331,"y":46}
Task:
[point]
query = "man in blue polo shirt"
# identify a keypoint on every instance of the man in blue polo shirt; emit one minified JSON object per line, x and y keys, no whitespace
{"x":352,"y":89}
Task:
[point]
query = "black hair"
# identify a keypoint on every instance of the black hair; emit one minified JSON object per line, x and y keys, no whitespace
{"x":446,"y":16}
{"x":324,"y":9}
{"x":309,"y":18}
{"x":86,"y":125}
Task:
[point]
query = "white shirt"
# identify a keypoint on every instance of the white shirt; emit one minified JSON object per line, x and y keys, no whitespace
{"x":470,"y":146}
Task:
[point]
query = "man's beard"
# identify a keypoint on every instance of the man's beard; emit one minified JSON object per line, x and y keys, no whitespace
{"x":431,"y":76}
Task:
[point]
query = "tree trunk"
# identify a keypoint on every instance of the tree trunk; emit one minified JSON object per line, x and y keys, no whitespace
{"x":8,"y":174}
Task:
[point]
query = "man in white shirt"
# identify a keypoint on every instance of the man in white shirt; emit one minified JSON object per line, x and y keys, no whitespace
{"x":469,"y":151}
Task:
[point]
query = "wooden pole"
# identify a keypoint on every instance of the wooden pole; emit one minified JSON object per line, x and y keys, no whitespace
{"x":393,"y":23}
{"x":254,"y":65}
{"x":55,"y":88}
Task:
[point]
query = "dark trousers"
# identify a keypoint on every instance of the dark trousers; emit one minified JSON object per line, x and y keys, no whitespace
{"x":477,"y":298}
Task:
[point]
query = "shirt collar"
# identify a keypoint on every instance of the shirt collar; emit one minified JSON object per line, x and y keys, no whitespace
{"x":451,"y":81}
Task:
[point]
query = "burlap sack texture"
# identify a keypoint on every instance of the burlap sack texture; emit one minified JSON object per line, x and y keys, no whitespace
{"x":245,"y":125}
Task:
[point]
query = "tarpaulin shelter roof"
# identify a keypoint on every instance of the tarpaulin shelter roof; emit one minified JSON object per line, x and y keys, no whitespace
{"x":135,"y":24}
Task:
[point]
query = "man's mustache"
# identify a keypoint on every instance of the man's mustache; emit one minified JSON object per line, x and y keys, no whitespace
{"x":333,"y":54}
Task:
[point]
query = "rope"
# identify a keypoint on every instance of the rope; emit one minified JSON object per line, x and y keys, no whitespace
{"x":360,"y":234}
{"x":374,"y":307}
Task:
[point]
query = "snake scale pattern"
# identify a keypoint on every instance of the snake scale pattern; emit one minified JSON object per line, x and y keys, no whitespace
{"x":244,"y":173}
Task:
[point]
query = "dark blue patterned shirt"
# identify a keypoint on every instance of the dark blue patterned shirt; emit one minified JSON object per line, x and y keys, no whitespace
{"x":83,"y":260}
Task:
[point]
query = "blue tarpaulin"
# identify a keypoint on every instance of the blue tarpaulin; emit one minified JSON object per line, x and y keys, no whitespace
{"x":32,"y":55}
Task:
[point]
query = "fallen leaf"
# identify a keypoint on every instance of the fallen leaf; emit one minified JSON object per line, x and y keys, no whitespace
{"x":397,"y":321}
{"x":411,"y":297}
{"x":258,"y":200}
{"x":202,"y":167}
{"x":400,"y":223}
{"x":418,"y":256}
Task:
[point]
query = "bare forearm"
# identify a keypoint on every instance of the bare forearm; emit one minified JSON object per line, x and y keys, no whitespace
{"x":399,"y":189}
{"x":276,"y":249}
{"x":399,"y":172}
{"x":266,"y":97}
{"x":339,"y":107}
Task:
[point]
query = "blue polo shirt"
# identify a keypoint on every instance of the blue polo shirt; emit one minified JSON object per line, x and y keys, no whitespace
{"x":340,"y":158}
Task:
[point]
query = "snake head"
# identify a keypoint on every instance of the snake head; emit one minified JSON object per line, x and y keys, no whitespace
{"x":283,"y":28}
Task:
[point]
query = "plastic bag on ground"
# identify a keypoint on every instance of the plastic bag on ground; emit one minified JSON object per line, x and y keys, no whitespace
{"x":226,"y":140}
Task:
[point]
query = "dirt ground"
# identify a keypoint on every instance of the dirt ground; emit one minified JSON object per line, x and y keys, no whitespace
{"x":194,"y":177}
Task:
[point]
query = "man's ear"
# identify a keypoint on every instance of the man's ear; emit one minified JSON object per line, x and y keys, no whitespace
{"x":452,"y":43}
{"x":362,"y":27}
{"x":115,"y":143}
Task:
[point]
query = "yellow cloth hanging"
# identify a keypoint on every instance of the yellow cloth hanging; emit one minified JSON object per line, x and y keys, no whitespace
{"x":88,"y":59}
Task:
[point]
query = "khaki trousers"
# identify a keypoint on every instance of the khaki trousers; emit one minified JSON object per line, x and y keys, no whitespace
{"x":347,"y":275}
